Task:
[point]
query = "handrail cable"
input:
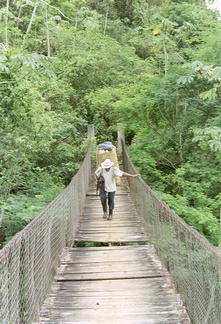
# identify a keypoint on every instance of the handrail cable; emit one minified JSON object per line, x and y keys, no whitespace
{"x":193,"y":263}
{"x":29,"y":261}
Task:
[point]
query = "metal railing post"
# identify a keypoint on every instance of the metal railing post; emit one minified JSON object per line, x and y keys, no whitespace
{"x":120,"y":135}
{"x":90,"y":130}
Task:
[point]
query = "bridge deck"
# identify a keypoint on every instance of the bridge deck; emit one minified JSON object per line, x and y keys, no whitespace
{"x":113,"y":281}
{"x":125,"y":227}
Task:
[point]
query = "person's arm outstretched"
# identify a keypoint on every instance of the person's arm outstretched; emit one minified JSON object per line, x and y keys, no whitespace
{"x":125,"y":174}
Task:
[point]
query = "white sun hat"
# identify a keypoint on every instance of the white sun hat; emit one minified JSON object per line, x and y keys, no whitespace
{"x":107,"y":164}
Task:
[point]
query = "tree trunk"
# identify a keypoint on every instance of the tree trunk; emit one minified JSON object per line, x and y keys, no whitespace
{"x":6,"y":24}
{"x":32,"y":16}
{"x":47,"y":32}
{"x":105,"y":23}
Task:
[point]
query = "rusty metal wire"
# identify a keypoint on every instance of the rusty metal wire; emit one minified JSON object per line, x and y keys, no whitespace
{"x":29,"y":261}
{"x":193,"y":263}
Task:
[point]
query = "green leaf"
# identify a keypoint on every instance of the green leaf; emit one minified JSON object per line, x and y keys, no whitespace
{"x":210,"y":94}
{"x":185,"y":79}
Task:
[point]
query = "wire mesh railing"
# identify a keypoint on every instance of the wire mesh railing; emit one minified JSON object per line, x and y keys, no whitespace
{"x":193,"y":263}
{"x":29,"y":261}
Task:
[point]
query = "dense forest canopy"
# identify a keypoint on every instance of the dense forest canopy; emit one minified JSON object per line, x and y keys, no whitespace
{"x":152,"y":65}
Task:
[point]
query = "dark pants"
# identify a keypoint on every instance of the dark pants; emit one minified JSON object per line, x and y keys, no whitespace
{"x":104,"y":196}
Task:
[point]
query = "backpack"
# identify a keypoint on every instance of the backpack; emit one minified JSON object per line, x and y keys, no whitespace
{"x":100,"y":185}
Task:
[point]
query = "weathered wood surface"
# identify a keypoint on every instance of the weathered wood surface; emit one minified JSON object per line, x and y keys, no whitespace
{"x":109,"y":263}
{"x":124,"y":227}
{"x":113,"y":284}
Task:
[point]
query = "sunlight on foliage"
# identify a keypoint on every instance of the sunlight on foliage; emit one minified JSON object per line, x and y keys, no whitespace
{"x":210,"y":135}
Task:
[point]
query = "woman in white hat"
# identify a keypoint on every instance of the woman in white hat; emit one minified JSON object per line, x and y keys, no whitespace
{"x":108,"y":172}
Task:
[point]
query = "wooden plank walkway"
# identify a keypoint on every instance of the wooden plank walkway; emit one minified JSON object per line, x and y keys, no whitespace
{"x":125,"y":226}
{"x":116,"y":281}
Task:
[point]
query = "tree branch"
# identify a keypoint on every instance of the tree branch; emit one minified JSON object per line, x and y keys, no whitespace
{"x":61,"y":13}
{"x":8,"y":82}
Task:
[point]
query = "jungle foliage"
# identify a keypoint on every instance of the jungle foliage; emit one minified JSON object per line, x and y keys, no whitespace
{"x":153,"y":66}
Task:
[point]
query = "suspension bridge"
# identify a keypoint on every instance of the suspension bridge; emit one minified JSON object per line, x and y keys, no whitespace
{"x":146,"y":265}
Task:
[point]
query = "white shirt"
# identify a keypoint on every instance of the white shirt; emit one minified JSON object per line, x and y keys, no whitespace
{"x":109,"y":180}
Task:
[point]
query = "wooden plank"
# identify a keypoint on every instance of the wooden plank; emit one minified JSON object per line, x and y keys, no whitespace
{"x":111,"y":253}
{"x":109,"y":238}
{"x":105,"y":263}
{"x":104,"y":302}
{"x":153,"y":289}
{"x":136,"y":320}
{"x":144,"y":321}
{"x":114,"y":314}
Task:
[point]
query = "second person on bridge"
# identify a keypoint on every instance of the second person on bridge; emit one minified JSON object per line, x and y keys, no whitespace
{"x":108,"y":171}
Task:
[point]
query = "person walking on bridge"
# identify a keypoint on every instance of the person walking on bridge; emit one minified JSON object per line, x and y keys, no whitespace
{"x":108,"y":171}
